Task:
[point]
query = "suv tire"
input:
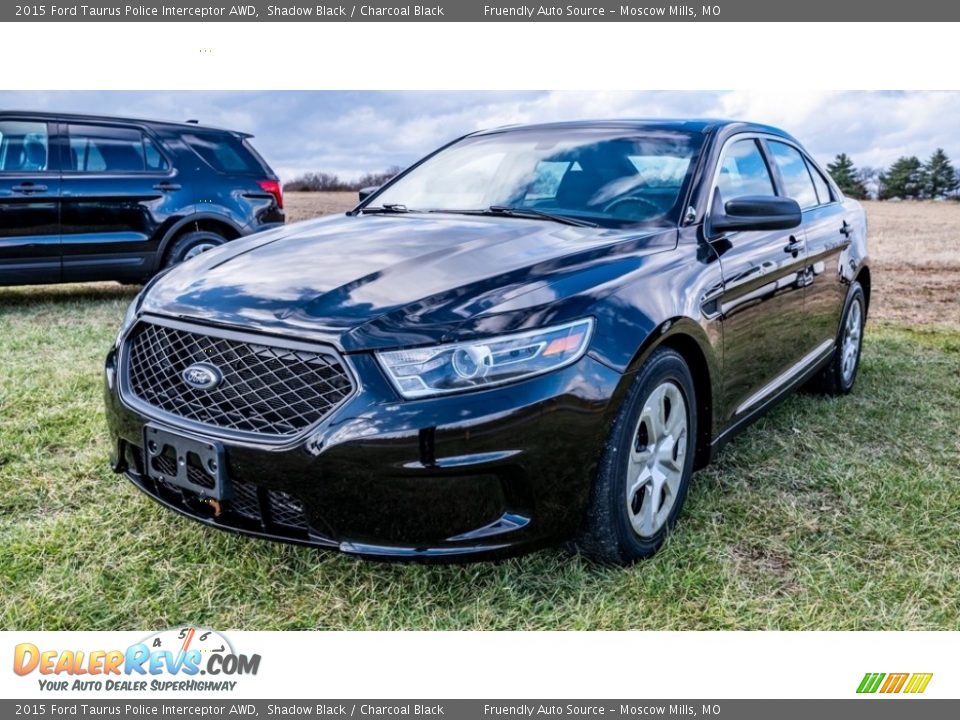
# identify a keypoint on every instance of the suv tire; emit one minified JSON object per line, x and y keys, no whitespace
{"x":192,"y":244}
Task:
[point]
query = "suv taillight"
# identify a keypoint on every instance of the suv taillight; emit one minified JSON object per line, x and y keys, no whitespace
{"x":273,"y":187}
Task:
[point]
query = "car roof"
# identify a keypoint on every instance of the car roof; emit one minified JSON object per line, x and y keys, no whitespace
{"x":701,"y":125}
{"x":80,"y":117}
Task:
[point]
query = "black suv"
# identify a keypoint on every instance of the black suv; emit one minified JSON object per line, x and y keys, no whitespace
{"x":86,"y":198}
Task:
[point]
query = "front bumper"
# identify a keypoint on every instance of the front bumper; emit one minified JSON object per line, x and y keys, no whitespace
{"x":482,"y":473}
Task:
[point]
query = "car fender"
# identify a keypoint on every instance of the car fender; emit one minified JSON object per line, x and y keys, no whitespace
{"x":689,"y":338}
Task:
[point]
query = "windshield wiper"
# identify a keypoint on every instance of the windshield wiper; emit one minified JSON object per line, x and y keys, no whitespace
{"x":387,"y":208}
{"x":533,"y":213}
{"x":501,"y":210}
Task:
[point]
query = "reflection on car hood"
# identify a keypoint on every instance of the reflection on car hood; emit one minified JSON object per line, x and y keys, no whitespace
{"x":381,"y":281}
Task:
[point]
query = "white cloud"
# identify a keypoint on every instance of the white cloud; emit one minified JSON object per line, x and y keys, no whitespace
{"x":354,"y":132}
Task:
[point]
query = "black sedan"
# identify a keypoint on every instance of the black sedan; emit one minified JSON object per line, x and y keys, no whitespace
{"x":534,"y":334}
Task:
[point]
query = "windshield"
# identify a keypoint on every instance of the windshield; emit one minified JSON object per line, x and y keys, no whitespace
{"x":609,"y":178}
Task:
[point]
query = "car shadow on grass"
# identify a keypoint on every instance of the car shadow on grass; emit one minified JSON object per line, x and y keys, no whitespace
{"x":37,"y":295}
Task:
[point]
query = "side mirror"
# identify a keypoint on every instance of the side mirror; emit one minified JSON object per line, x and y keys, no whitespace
{"x":755,"y":212}
{"x":367,"y":192}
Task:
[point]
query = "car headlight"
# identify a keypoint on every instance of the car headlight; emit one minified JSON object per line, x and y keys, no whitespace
{"x":422,"y":372}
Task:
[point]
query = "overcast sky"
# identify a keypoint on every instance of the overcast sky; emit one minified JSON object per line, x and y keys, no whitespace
{"x":354,"y":132}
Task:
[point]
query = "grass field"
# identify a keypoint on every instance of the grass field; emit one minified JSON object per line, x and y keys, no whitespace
{"x":827,"y":514}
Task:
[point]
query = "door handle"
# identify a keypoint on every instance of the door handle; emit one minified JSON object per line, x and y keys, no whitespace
{"x":27,"y":188}
{"x":846,"y":229}
{"x":794,"y":246}
{"x":166,"y":187}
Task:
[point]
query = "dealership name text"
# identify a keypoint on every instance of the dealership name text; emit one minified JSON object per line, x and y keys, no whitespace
{"x":632,"y":11}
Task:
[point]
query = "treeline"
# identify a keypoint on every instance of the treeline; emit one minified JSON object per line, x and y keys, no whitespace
{"x":907,"y":179}
{"x":329,"y":182}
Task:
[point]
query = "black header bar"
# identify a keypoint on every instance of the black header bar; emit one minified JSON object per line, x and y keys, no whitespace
{"x":207,"y":707}
{"x":485,"y":11}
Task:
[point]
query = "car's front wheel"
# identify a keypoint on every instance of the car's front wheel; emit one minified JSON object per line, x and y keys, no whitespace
{"x":646,"y":466}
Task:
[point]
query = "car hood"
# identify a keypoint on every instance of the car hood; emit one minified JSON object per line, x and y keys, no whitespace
{"x":377,"y":281}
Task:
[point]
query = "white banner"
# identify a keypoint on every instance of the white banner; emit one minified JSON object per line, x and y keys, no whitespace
{"x":723,"y":665}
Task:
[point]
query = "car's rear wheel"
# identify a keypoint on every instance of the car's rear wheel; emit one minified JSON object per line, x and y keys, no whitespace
{"x":838,"y":377}
{"x":191,"y":244}
{"x":645,"y":470}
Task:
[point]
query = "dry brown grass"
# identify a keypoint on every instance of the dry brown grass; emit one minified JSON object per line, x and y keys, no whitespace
{"x":306,"y":205}
{"x":915,"y":258}
{"x":914,"y":252}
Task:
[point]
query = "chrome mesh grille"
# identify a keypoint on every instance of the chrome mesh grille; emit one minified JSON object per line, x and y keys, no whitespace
{"x":264,"y":389}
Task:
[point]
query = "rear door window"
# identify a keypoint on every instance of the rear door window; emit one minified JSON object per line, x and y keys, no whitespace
{"x":152,"y":157}
{"x":105,"y":149}
{"x":796,"y":177}
{"x":824,"y":195}
{"x":24,"y":146}
{"x":224,"y":153}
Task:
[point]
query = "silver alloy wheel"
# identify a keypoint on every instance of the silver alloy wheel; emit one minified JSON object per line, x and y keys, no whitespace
{"x":850,"y":345}
{"x":656,"y":462}
{"x":198,"y":248}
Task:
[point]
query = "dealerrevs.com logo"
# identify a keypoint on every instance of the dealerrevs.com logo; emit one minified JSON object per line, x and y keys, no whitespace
{"x":181,"y":659}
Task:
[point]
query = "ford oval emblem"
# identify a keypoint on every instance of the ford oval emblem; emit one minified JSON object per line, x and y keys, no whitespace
{"x":201,"y":376}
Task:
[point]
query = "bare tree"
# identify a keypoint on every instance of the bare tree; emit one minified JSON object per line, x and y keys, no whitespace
{"x":329,"y":182}
{"x":869,"y":178}
{"x":377,"y":179}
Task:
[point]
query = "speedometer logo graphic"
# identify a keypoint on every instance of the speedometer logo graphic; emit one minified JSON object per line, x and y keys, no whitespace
{"x":183,"y":639}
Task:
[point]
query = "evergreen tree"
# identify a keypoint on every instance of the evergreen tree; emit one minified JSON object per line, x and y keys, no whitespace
{"x":939,"y":176}
{"x":904,"y":180}
{"x":844,"y":174}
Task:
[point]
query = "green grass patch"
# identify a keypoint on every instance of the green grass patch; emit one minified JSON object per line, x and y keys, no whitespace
{"x":826,"y":514}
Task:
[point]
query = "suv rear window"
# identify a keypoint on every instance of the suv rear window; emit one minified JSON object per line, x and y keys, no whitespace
{"x":224,"y":153}
{"x":107,"y":149}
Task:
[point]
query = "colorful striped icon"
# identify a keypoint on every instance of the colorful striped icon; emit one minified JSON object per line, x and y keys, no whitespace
{"x":894,"y":682}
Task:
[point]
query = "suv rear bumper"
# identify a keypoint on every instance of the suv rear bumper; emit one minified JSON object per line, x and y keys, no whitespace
{"x":251,"y":229}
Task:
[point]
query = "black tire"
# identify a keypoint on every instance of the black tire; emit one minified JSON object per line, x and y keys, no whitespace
{"x":832,"y":380}
{"x":188,"y":242}
{"x":608,"y":535}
